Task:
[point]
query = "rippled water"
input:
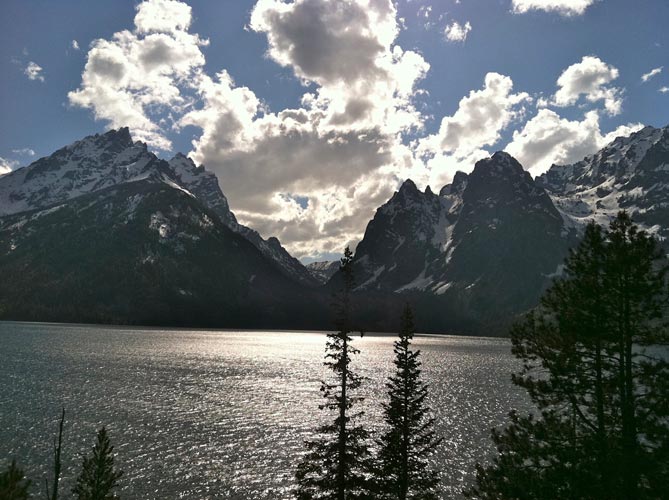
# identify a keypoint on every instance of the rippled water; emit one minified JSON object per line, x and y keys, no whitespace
{"x":222,"y":414}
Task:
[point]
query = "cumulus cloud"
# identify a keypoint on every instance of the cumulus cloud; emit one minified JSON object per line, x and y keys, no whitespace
{"x":75,"y":45}
{"x":664,"y":90}
{"x":314,"y":174}
{"x":589,"y":78}
{"x":563,"y":7}
{"x":341,"y":150}
{"x":136,"y":74}
{"x":653,"y":72}
{"x":33,"y":71}
{"x":7,"y":166}
{"x":478,"y":122}
{"x":549,"y":139}
{"x":456,"y":32}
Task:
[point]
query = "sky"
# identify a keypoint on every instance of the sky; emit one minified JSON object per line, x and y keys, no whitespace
{"x":312,"y":112}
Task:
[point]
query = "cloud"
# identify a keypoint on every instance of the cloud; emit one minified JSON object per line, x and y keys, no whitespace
{"x":456,"y":32}
{"x":478,"y":122}
{"x":653,"y":72}
{"x":130,"y":79}
{"x":313,"y":174}
{"x":24,"y":152}
{"x":549,"y":139}
{"x":479,"y":119}
{"x":563,"y":7}
{"x":664,"y":90}
{"x":341,"y":150}
{"x":589,"y":78}
{"x":7,"y":166}
{"x":162,"y":16}
{"x":34,"y":71}
{"x":75,"y":45}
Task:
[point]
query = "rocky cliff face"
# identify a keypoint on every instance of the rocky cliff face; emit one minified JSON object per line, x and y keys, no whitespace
{"x":100,"y":161}
{"x":489,"y":241}
{"x":631,"y":173}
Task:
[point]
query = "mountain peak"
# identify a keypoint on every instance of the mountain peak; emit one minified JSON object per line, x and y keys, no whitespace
{"x":408,"y":186}
{"x":120,"y":138}
{"x":501,"y":163}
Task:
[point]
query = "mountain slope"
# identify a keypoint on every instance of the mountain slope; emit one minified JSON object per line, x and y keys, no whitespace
{"x":103,"y":160}
{"x":631,"y":173}
{"x":487,"y":241}
{"x":140,"y":252}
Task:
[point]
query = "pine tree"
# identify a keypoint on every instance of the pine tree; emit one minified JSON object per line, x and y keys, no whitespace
{"x":13,"y":484}
{"x":98,"y":478}
{"x":593,"y":366}
{"x":337,"y":463}
{"x":403,"y":471}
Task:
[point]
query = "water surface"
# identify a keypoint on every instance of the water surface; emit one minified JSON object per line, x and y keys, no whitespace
{"x":223,"y":414}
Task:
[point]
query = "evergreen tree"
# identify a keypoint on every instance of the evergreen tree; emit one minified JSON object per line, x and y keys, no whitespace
{"x":13,"y":484}
{"x":337,"y":463}
{"x":403,"y":470}
{"x":593,"y":365}
{"x":98,"y":478}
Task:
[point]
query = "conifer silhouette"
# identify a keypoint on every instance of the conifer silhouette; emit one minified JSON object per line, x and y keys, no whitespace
{"x":337,"y":463}
{"x":403,"y":471}
{"x":98,"y":478}
{"x":593,"y":365}
{"x":13,"y":484}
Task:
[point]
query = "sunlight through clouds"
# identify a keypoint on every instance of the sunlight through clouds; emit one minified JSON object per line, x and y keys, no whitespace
{"x":314,"y":174}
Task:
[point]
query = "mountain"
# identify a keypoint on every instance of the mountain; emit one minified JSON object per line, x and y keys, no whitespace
{"x":104,"y":231}
{"x":631,"y":173}
{"x":486,"y":243}
{"x":324,"y":270}
{"x":486,"y":247}
{"x":100,"y":161}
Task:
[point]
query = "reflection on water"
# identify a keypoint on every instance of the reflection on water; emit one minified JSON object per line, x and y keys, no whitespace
{"x":223,"y":414}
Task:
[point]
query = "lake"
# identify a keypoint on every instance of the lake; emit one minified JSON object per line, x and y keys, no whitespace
{"x":197,"y":414}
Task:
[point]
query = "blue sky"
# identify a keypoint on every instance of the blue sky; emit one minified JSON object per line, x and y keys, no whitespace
{"x":388,"y":94}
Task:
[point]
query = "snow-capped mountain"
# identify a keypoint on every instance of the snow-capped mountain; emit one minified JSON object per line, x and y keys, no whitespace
{"x":103,"y":160}
{"x":631,"y":173}
{"x":162,"y":246}
{"x":204,"y":185}
{"x":491,"y":241}
{"x":323,"y":270}
{"x":487,"y":241}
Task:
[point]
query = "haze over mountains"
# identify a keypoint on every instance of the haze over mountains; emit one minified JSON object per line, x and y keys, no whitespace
{"x":103,"y":230}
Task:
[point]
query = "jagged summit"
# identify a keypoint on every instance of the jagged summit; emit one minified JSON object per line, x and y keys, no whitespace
{"x":501,"y":162}
{"x":408,"y":186}
{"x":630,"y":173}
{"x":100,"y":161}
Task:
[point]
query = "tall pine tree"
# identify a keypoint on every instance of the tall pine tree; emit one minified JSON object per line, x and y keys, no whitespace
{"x":337,"y":464}
{"x":98,"y":479}
{"x":403,"y":471}
{"x":594,"y":367}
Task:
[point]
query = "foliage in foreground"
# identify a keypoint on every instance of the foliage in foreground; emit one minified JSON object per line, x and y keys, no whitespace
{"x":13,"y":483}
{"x":403,"y":471}
{"x":592,"y":365}
{"x":98,"y":478}
{"x":337,"y":464}
{"x":96,"y":481}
